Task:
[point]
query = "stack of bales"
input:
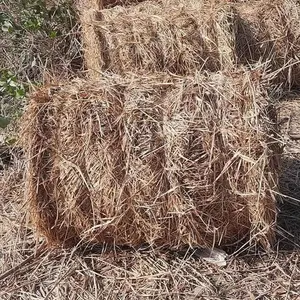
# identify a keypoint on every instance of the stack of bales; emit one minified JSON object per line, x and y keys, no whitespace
{"x":169,"y":142}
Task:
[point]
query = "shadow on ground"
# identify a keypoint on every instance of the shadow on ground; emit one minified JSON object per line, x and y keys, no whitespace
{"x":289,"y":205}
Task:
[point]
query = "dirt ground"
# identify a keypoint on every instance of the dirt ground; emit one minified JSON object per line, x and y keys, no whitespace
{"x":27,"y":271}
{"x":289,"y":214}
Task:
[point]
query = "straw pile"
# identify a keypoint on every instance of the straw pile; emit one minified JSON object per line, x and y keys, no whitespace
{"x":269,"y":31}
{"x":160,"y":160}
{"x":159,"y":36}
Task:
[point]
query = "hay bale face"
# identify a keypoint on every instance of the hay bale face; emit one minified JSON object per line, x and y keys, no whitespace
{"x":158,"y":160}
{"x":269,"y":32}
{"x":158,"y":36}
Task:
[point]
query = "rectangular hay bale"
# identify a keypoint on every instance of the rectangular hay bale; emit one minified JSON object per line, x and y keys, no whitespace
{"x":180,"y":38}
{"x":156,"y":36}
{"x":166,"y":161}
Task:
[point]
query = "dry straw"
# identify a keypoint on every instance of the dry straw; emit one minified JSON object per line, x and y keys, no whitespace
{"x":159,"y":36}
{"x":161,"y":160}
{"x":269,"y":32}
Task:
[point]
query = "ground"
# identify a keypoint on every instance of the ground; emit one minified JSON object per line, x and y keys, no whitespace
{"x":289,"y":217}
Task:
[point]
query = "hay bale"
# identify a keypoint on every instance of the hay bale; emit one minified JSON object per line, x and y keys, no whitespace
{"x":159,"y":36}
{"x":269,"y":31}
{"x":161,"y":160}
{"x":168,"y":35}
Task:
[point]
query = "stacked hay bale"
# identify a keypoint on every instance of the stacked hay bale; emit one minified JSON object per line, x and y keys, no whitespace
{"x":159,"y":36}
{"x":169,"y":144}
{"x":168,"y":35}
{"x":159,"y":160}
